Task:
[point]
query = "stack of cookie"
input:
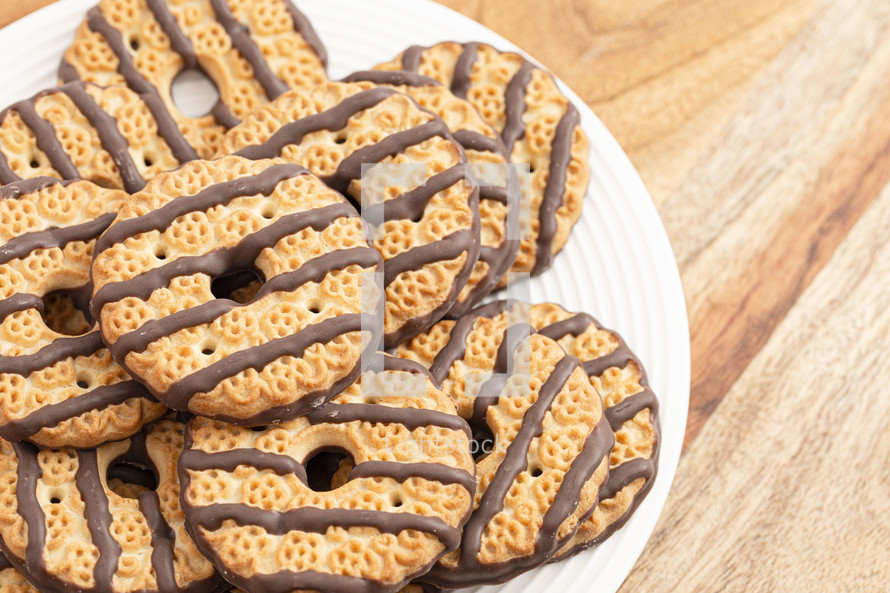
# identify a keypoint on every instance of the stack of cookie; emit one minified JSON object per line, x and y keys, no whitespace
{"x":246,"y":349}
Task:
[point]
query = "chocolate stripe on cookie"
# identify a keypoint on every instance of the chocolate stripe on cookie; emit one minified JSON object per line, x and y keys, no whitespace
{"x":392,"y":77}
{"x":411,"y":58}
{"x":305,"y":29}
{"x":400,"y":472}
{"x":179,"y":41}
{"x":214,"y":263}
{"x":351,"y":167}
{"x":215,"y":195}
{"x":52,"y":414}
{"x":514,"y":100}
{"x":412,"y":204}
{"x":460,"y":79}
{"x":515,"y":461}
{"x":623,"y":475}
{"x":98,"y":517}
{"x":451,"y":247}
{"x":471,"y":140}
{"x":311,"y":580}
{"x":20,"y":302}
{"x":205,"y":380}
{"x":168,"y":129}
{"x":45,"y":136}
{"x":28,"y":474}
{"x":7,"y":175}
{"x":21,"y":246}
{"x":411,"y":418}
{"x":335,"y":118}
{"x":316,"y":520}
{"x":110,"y":137}
{"x":314,"y":270}
{"x":229,"y":461}
{"x":57,"y":351}
{"x":631,"y":406}
{"x":560,"y":156}
{"x":596,"y":450}
{"x":162,"y":538}
{"x":272,"y":85}
{"x":488,"y":394}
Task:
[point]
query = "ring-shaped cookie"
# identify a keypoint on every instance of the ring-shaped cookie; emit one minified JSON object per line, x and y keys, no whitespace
{"x":384,"y":517}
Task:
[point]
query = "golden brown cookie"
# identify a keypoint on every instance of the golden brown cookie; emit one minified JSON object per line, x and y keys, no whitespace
{"x":275,"y":511}
{"x":539,"y":125}
{"x":11,"y":580}
{"x":163,"y":292}
{"x":110,"y":136}
{"x":632,"y":411}
{"x":252,"y":50}
{"x":426,"y":211}
{"x":498,"y":188}
{"x":68,"y":531}
{"x":541,"y":440}
{"x":58,"y":383}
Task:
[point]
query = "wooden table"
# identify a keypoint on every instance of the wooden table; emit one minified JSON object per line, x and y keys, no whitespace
{"x":762,"y":129}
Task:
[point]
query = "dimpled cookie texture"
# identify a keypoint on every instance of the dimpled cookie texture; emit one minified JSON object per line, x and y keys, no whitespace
{"x":257,"y":504}
{"x":252,"y":51}
{"x":109,"y":136}
{"x":68,"y":531}
{"x":498,"y":191}
{"x":539,"y":126}
{"x":165,"y":275}
{"x":542,"y":440}
{"x":420,"y":198}
{"x":58,"y":383}
{"x":631,"y":409}
{"x":11,"y":580}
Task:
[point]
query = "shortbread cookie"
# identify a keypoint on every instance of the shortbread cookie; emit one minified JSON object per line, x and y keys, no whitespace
{"x":427,"y":209}
{"x":539,"y":125}
{"x":56,"y":389}
{"x":290,"y":348}
{"x":110,"y":136}
{"x":255,"y":503}
{"x":68,"y":531}
{"x":11,"y":580}
{"x":632,"y":411}
{"x":542,"y":441}
{"x":252,"y":50}
{"x":499,"y":187}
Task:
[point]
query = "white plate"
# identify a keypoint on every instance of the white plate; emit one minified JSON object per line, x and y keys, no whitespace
{"x":618,"y":264}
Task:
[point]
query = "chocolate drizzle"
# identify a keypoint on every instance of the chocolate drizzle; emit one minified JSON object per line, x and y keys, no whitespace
{"x":305,"y":29}
{"x":162,"y":538}
{"x":58,"y":350}
{"x":98,"y":518}
{"x":411,"y":58}
{"x":23,"y":245}
{"x":45,"y":136}
{"x":179,"y":41}
{"x":29,"y":473}
{"x":514,"y":99}
{"x":460,"y":79}
{"x":272,"y":85}
{"x":109,"y":136}
{"x":52,"y":414}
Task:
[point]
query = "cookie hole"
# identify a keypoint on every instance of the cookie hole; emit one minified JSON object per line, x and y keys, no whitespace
{"x":83,"y":382}
{"x":240,"y":286}
{"x":161,"y":254}
{"x":64,"y":316}
{"x":268,"y":211}
{"x":397,"y":502}
{"x":134,"y":44}
{"x":328,"y":469}
{"x":194,"y":94}
{"x":208,"y":350}
{"x":148,"y":162}
{"x":129,"y":478}
{"x":340,"y":138}
{"x":483,"y":442}
{"x":55,"y":500}
{"x":262,"y":428}
{"x":314,"y":308}
{"x":536,"y":473}
{"x":34,"y":164}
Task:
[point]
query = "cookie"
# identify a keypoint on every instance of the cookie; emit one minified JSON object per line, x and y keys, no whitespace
{"x":541,"y":440}
{"x":276,"y":511}
{"x":631,"y":409}
{"x":164,"y":296}
{"x":538,"y":124}
{"x":426,"y":212}
{"x":498,"y":191}
{"x":66,"y":530}
{"x":109,"y":136}
{"x":11,"y":580}
{"x":252,"y":51}
{"x":58,"y":383}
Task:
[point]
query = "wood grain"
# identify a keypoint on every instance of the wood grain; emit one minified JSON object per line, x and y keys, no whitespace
{"x":762,"y":129}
